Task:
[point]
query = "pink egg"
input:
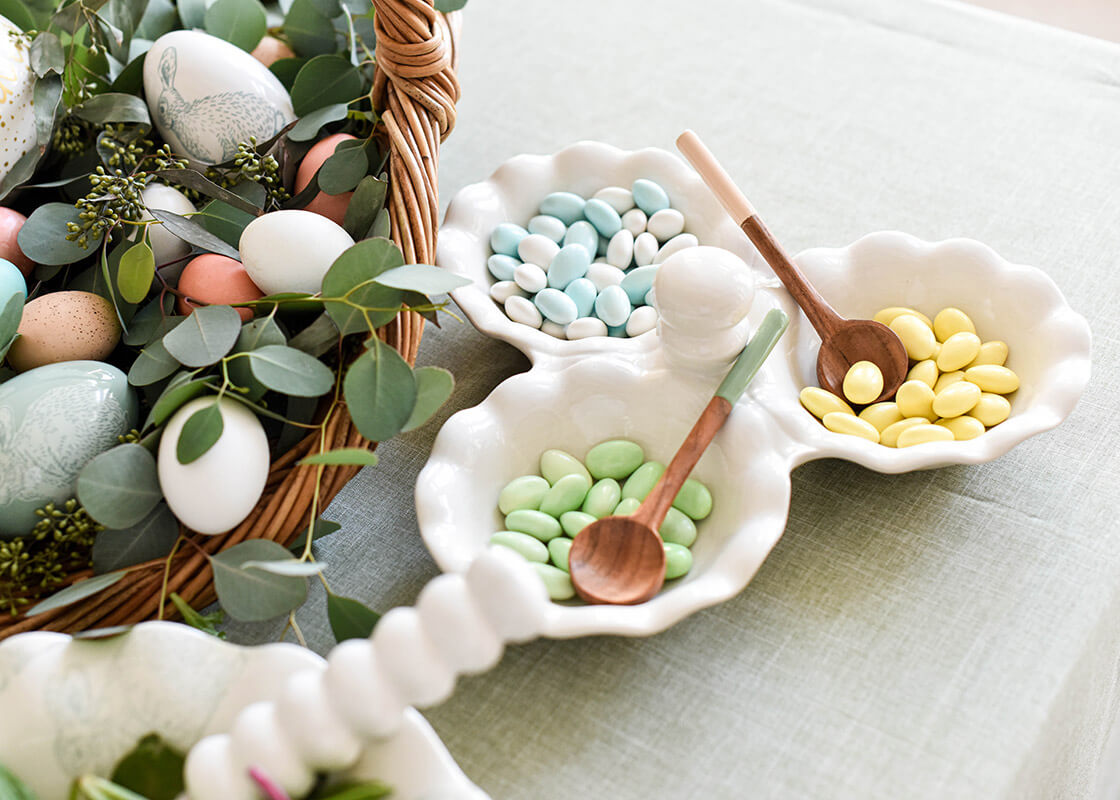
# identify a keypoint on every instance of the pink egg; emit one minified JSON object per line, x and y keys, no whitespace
{"x":217,"y":279}
{"x":270,"y":49}
{"x":10,"y":223}
{"x":331,"y":206}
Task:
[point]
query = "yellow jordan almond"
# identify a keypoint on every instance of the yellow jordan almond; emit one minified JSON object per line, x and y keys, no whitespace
{"x":936,"y":351}
{"x":962,"y":428}
{"x":923,"y":434}
{"x":992,"y":409}
{"x":957,"y":351}
{"x":951,"y":321}
{"x":881,"y":415}
{"x":863,"y":383}
{"x":917,"y":337}
{"x":993,"y":378}
{"x":889,"y":436}
{"x":888,"y":315}
{"x":956,"y":399}
{"x":820,"y":401}
{"x":947,"y":379}
{"x":839,"y":422}
{"x":915,"y":399}
{"x":926,"y":372}
{"x":993,"y":352}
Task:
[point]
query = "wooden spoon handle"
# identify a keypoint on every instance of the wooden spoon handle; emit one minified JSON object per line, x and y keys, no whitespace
{"x":660,"y":499}
{"x":820,"y":314}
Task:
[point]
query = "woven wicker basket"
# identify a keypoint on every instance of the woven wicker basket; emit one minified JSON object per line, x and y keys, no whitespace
{"x":415,"y":90}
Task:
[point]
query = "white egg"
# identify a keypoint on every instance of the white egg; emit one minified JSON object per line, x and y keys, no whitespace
{"x":218,"y":490}
{"x":291,"y":251}
{"x":207,"y":95}
{"x":17,"y":85}
{"x":166,"y":246}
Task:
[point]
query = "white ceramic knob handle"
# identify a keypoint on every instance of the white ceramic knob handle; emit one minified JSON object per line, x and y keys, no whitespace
{"x":324,"y":718}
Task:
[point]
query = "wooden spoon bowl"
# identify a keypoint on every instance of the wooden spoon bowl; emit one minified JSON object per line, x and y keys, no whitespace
{"x":861,"y":340}
{"x":629,"y":543}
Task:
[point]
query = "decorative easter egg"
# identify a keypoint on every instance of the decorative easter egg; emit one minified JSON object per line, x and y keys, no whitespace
{"x":270,"y":50}
{"x":166,"y":246}
{"x":291,"y":251}
{"x":212,"y":278}
{"x":207,"y":95}
{"x":53,"y":420}
{"x":10,"y":223}
{"x":331,"y":206}
{"x":17,"y":86}
{"x":11,"y":282}
{"x":219,"y":489}
{"x":64,"y":326}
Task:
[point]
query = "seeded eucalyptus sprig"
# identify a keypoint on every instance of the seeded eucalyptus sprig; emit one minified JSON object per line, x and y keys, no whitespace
{"x":60,"y":543}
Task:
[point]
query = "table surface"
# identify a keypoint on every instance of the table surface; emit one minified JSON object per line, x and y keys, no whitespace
{"x":948,"y":633}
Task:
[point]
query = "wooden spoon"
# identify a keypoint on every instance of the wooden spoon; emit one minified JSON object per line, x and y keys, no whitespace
{"x":621,"y":560}
{"x":843,"y":341}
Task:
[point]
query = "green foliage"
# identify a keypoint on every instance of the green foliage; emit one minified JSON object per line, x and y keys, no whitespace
{"x":285,"y":369}
{"x":380,"y":392}
{"x":433,"y":386}
{"x":325,"y":80}
{"x":152,"y":537}
{"x":345,"y":169}
{"x":10,"y":315}
{"x":153,"y":768}
{"x":311,"y":123}
{"x":349,"y":618}
{"x":204,"y":337}
{"x":355,"y":456}
{"x":11,"y":787}
{"x":253,"y":595}
{"x":136,"y":272}
{"x":310,"y":32}
{"x":119,"y":487}
{"x":240,"y":22}
{"x":75,"y":592}
{"x":207,"y":623}
{"x":361,"y":304}
{"x":199,"y":433}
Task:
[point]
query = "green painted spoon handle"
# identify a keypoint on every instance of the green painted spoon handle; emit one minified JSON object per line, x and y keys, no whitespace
{"x":758,"y":348}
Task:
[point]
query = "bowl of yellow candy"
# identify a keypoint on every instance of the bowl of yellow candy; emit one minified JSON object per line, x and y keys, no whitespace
{"x":996,"y":354}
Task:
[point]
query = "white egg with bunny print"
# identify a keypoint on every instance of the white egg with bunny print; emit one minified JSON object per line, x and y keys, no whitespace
{"x":17,"y":85}
{"x":206,"y":96}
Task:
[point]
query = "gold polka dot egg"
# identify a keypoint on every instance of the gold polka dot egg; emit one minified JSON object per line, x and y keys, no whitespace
{"x":64,"y":326}
{"x":17,"y":85}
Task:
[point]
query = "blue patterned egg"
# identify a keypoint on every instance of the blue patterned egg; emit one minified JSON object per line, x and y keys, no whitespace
{"x":53,"y":420}
{"x":207,"y":95}
{"x":17,"y":85}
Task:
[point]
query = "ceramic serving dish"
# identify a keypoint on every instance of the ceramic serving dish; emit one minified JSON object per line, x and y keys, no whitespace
{"x":73,"y":707}
{"x":579,"y":393}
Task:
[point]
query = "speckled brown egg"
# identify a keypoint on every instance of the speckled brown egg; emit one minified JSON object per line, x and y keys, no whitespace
{"x":64,"y":326}
{"x":270,"y":50}
{"x":212,"y":278}
{"x":331,"y":206}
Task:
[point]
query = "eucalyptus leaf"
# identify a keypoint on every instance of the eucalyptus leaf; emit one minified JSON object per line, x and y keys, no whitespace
{"x":298,"y":412}
{"x":224,"y":221}
{"x":153,"y":769}
{"x":433,"y":386}
{"x":152,"y":537}
{"x":148,"y":320}
{"x":252,"y":595}
{"x":119,"y":487}
{"x":364,"y":790}
{"x":256,"y":333}
{"x":12,"y":788}
{"x":193,"y":179}
{"x":422,"y":278}
{"x":181,"y":389}
{"x":114,"y":107}
{"x":286,"y":69}
{"x":349,"y":618}
{"x":193,"y":13}
{"x":100,"y":634}
{"x":369,"y":199}
{"x":325,"y":80}
{"x":240,"y":22}
{"x":19,"y":13}
{"x":345,"y":169}
{"x":46,"y":54}
{"x":291,"y":371}
{"x":447,"y":6}
{"x":43,"y":237}
{"x":355,"y":456}
{"x":131,"y":78}
{"x":23,"y":169}
{"x":199,"y":433}
{"x":352,"y":275}
{"x":160,"y":17}
{"x":10,"y":316}
{"x":382,"y":226}
{"x":328,"y":8}
{"x":136,"y":272}
{"x":193,"y":233}
{"x":152,"y":365}
{"x":75,"y":592}
{"x":293,"y":567}
{"x":207,"y":623}
{"x":380,"y":392}
{"x":310,"y":33}
{"x":205,"y":336}
{"x":309,"y":124}
{"x":318,"y":337}
{"x":322,"y":529}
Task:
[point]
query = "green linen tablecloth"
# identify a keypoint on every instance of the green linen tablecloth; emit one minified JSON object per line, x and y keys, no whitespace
{"x":953,"y":633}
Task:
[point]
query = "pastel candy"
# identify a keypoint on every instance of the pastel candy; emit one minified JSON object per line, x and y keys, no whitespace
{"x":645,"y":249}
{"x":530,"y":277}
{"x":556,"y":306}
{"x":613,"y":306}
{"x":549,"y":226}
{"x":678,"y":528}
{"x":620,"y":249}
{"x":530,"y":548}
{"x":583,"y":233}
{"x":675,"y":245}
{"x":570,"y":262}
{"x":678,"y":560}
{"x":522,"y":310}
{"x":638,"y":282}
{"x":602,"y":498}
{"x":618,"y":198}
{"x":534,"y":523}
{"x":649,"y":196}
{"x":504,"y":290}
{"x":665,"y":224}
{"x":575,"y":521}
{"x":559,"y":548}
{"x":635,"y":221}
{"x":605,"y":219}
{"x":537,"y":249}
{"x":694,"y":499}
{"x":626,"y":507}
{"x":566,"y":206}
{"x":586,"y":328}
{"x":524,"y":492}
{"x":556,"y":581}
{"x":642,"y":320}
{"x":615,"y":458}
{"x":555,"y":464}
{"x":566,"y":494}
{"x":604,"y":275}
{"x":583,"y":294}
{"x":643,"y":479}
{"x":506,"y":237}
{"x":502,"y":267}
